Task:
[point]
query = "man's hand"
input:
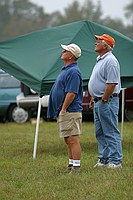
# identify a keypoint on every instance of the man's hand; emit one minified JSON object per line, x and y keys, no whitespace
{"x":68,"y":100}
{"x":91,"y":104}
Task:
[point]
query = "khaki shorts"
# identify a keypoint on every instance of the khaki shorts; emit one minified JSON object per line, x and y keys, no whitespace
{"x":69,"y":124}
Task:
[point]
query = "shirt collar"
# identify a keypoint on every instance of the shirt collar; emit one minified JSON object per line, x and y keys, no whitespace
{"x":102,"y":57}
{"x":70,"y":65}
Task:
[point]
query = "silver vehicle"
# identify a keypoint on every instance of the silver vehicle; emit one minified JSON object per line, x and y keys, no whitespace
{"x":29,"y":99}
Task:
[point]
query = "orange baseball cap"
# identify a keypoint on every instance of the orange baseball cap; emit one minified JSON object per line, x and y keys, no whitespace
{"x":107,"y":38}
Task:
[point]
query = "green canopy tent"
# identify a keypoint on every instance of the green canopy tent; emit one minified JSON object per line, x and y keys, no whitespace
{"x":34,"y":58}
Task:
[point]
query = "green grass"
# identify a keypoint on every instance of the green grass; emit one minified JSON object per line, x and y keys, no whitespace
{"x":45,"y":178}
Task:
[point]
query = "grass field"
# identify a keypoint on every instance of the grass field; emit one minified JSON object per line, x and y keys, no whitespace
{"x":46,"y":178}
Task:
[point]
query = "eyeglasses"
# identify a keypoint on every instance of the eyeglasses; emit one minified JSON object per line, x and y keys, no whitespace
{"x":98,"y":41}
{"x":64,"y":51}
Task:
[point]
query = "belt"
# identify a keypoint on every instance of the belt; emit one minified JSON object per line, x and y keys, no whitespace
{"x":99,"y":98}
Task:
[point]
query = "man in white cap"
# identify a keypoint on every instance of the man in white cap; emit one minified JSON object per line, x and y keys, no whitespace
{"x":65,"y":104}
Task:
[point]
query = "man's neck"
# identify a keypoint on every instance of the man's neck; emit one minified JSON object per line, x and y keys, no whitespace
{"x":68,"y":62}
{"x":103,"y":52}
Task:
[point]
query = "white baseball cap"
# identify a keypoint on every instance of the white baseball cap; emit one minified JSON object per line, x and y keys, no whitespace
{"x":73,"y":48}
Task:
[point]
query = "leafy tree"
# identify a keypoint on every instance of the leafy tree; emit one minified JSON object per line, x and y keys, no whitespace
{"x":129,"y":15}
{"x":76,"y":12}
{"x":20,"y":17}
{"x":92,"y":12}
{"x":129,"y":11}
{"x":116,"y":24}
{"x":4,"y":13}
{"x":71,"y":13}
{"x":88,"y":11}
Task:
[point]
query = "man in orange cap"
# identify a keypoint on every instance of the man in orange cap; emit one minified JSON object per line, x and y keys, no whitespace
{"x":104,"y":87}
{"x":107,"y":38}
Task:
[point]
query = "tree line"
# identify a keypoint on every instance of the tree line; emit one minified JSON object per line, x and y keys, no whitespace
{"x":18,"y":17}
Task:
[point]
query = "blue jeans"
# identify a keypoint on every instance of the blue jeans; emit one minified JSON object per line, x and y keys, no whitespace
{"x":107,"y":133}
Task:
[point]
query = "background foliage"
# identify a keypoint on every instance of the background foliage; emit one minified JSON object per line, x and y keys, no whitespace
{"x":19,"y":17}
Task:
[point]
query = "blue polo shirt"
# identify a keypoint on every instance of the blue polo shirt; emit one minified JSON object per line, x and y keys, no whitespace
{"x":69,"y":80}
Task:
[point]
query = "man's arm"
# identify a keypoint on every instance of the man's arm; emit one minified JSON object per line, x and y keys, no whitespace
{"x":108,"y":91}
{"x":68,"y":100}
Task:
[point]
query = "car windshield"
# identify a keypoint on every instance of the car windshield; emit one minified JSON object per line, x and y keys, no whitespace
{"x":9,"y":82}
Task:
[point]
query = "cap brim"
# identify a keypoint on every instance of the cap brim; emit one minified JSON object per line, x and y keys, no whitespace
{"x":98,"y":37}
{"x":64,"y":46}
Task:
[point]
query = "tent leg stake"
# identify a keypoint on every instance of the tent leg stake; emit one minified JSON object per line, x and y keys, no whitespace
{"x":37,"y":129}
{"x":122,"y":111}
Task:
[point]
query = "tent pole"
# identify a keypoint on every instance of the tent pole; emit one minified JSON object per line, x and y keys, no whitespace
{"x":37,"y":129}
{"x":122,"y":112}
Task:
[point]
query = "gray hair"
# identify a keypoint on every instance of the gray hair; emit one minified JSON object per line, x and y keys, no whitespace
{"x":108,"y":46}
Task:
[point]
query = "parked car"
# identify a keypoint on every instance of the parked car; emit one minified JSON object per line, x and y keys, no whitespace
{"x":9,"y":89}
{"x":128,"y":107}
{"x":28,"y":100}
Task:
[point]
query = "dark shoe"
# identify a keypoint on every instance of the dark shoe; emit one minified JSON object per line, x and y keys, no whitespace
{"x":74,"y":170}
{"x":69,"y":167}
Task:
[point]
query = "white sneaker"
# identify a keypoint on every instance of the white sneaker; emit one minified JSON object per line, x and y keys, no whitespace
{"x":114,"y":166}
{"x":99,"y":164}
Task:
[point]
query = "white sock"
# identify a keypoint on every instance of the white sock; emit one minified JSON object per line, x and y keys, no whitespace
{"x":76,"y":163}
{"x":70,"y":162}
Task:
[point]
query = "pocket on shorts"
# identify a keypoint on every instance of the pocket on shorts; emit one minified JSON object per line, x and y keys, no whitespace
{"x":64,"y":122}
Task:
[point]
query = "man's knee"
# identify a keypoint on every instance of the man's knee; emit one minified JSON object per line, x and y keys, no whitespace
{"x":72,"y":139}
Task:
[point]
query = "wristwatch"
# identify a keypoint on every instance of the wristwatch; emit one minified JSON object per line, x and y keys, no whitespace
{"x":104,"y":101}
